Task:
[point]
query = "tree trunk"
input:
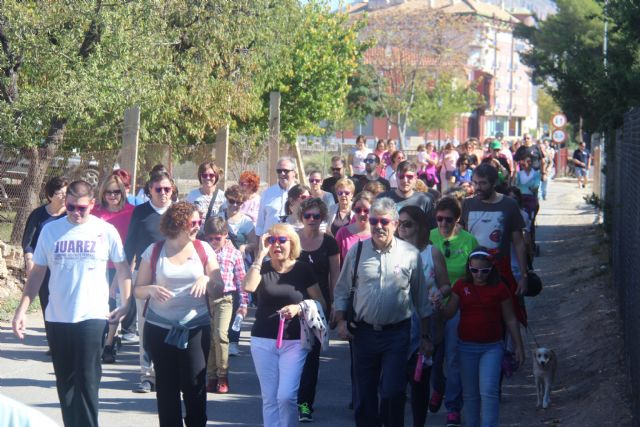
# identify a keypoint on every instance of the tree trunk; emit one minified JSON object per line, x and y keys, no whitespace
{"x":402,"y":130}
{"x":39,"y":160}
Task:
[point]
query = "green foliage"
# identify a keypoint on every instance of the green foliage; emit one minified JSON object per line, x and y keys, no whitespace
{"x":437,"y":107}
{"x":547,"y":107}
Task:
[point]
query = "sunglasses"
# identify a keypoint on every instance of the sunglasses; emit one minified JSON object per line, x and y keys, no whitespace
{"x":336,"y":169}
{"x":447,"y":219}
{"x":360,"y":210}
{"x":447,"y":248}
{"x":283,"y":171}
{"x":406,"y":175}
{"x":406,"y":224}
{"x":163,"y":190}
{"x":310,"y":215}
{"x":208,"y":176}
{"x":196,"y":223}
{"x":113,"y":193}
{"x":80,"y":208}
{"x":475,"y":270}
{"x":315,"y":181}
{"x":234,"y":202}
{"x":343,"y":193}
{"x":383,"y":221}
{"x":303,"y":197}
{"x":369,"y":161}
{"x":280,"y":239}
{"x":215,"y":238}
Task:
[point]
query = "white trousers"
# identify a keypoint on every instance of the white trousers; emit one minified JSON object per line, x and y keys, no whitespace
{"x":279,"y":372}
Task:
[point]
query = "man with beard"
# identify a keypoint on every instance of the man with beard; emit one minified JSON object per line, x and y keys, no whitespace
{"x":531,"y":150}
{"x":337,"y":172}
{"x":496,"y":223}
{"x":371,"y":163}
{"x":274,"y":198}
{"x":389,"y":285}
{"x":405,"y":194}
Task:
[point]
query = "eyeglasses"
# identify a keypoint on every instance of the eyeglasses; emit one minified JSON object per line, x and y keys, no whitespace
{"x":369,"y":161}
{"x":447,"y":248}
{"x":408,"y":176}
{"x":208,"y":176}
{"x":406,"y":224}
{"x":314,"y":181}
{"x":215,"y":238}
{"x":343,"y":193}
{"x":163,"y":190}
{"x":196,"y":223}
{"x":234,"y":202}
{"x":80,"y":208}
{"x":280,"y":239}
{"x":303,"y":197}
{"x":360,"y":210}
{"x":114,"y":193}
{"x":310,"y":215}
{"x":475,"y":270}
{"x":383,"y":221}
{"x":447,"y":219}
{"x":283,"y":171}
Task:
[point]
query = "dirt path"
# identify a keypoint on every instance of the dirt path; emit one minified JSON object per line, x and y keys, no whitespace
{"x":576,"y":315}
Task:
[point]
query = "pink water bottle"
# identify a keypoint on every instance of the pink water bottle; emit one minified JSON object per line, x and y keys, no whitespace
{"x":417,"y":374}
{"x":280,"y":332}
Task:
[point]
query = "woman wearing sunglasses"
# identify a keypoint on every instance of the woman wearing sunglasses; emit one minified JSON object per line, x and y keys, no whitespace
{"x":144,"y":230}
{"x":207,"y":198}
{"x":296,"y":195}
{"x":340,"y":214}
{"x":281,"y":284}
{"x":321,"y":252}
{"x":315,"y":183}
{"x":455,"y":244}
{"x":174,"y":279}
{"x":360,"y":229}
{"x":412,"y":228}
{"x":113,"y":208}
{"x":485,"y":308}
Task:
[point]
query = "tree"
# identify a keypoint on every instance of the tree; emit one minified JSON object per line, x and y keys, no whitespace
{"x":413,"y":46}
{"x":438,"y":107}
{"x":547,"y":107}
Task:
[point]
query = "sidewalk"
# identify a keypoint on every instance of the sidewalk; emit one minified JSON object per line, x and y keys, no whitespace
{"x":26,"y":373}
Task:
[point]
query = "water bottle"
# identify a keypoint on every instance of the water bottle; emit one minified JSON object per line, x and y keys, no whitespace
{"x":237,"y":322}
{"x":417,"y":373}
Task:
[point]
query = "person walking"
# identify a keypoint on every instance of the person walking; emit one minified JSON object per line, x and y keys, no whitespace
{"x":340,"y":214}
{"x":371,"y":163}
{"x":250,"y":184}
{"x":315,"y":183}
{"x":395,"y":159}
{"x":357,"y":156}
{"x":273,"y":200}
{"x":321,"y":252}
{"x":389,"y":283}
{"x":76,"y":249}
{"x":582,"y":163}
{"x":174,"y":277}
{"x":337,"y":173}
{"x":281,"y":284}
{"x":484,"y":302}
{"x":358,"y":230}
{"x":207,"y":198}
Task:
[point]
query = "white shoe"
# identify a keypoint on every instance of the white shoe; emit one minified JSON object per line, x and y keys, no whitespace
{"x":233,"y":349}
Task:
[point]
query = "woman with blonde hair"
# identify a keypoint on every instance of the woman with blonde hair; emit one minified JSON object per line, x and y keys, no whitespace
{"x":281,"y":284}
{"x":340,"y":214}
{"x":358,"y":230}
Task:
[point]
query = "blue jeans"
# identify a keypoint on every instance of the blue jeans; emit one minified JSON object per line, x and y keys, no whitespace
{"x":480,"y":366}
{"x":543,"y":189}
{"x":453,"y":389}
{"x":379,"y":363}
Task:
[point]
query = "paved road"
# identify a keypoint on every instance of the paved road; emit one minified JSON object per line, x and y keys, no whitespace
{"x":26,"y":373}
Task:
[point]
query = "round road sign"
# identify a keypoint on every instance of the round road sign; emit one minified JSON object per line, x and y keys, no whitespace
{"x":559,"y":120}
{"x":559,"y":136}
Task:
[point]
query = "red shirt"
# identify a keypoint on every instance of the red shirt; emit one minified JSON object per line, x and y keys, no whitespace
{"x":480,"y":311}
{"x":120,"y":220}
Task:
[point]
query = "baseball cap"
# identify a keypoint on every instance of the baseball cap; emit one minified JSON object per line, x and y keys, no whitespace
{"x":495,"y":145}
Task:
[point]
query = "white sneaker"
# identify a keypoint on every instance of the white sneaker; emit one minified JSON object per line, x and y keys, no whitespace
{"x":233,"y":349}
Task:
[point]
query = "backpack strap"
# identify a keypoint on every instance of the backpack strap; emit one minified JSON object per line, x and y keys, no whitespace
{"x":202,"y":254}
{"x":153,"y":264}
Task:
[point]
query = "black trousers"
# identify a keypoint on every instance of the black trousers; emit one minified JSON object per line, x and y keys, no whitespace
{"x":43,"y":292}
{"x":180,"y":371}
{"x":419,"y":391}
{"x":309,"y":377}
{"x":128,"y":323}
{"x":76,"y":349}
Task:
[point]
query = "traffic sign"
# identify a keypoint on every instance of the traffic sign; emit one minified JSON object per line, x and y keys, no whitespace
{"x":559,"y":120}
{"x":559,"y":136}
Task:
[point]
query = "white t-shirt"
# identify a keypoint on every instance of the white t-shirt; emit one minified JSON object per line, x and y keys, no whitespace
{"x":515,"y":266}
{"x":77,"y":256}
{"x":202,"y":201}
{"x":357,"y":164}
{"x":178,"y":280}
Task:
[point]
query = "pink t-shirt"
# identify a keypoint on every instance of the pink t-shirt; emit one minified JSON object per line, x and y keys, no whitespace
{"x":120,"y":220}
{"x":346,"y":239}
{"x":251,"y":208}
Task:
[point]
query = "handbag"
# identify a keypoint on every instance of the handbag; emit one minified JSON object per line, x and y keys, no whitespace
{"x":351,"y":311}
{"x":534,"y":284}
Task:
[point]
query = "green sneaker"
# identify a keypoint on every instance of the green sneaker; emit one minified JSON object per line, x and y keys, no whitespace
{"x":304,"y":413}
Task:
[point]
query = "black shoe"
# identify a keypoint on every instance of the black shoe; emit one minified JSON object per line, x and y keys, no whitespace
{"x":304,"y":413}
{"x":109,"y":354}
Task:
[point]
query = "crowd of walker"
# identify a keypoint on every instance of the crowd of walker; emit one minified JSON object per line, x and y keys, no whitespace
{"x":421,"y":264}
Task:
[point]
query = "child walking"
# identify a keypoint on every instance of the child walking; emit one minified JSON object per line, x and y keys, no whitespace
{"x":485,"y":309}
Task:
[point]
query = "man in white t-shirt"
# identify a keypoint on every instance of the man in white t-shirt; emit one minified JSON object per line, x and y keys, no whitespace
{"x":272,"y":201}
{"x":76,"y":249}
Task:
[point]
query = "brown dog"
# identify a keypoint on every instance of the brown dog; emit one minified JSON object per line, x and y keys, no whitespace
{"x":544,"y":371}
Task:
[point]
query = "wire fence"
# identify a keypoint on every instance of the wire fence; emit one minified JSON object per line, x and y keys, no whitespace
{"x":624,"y":195}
